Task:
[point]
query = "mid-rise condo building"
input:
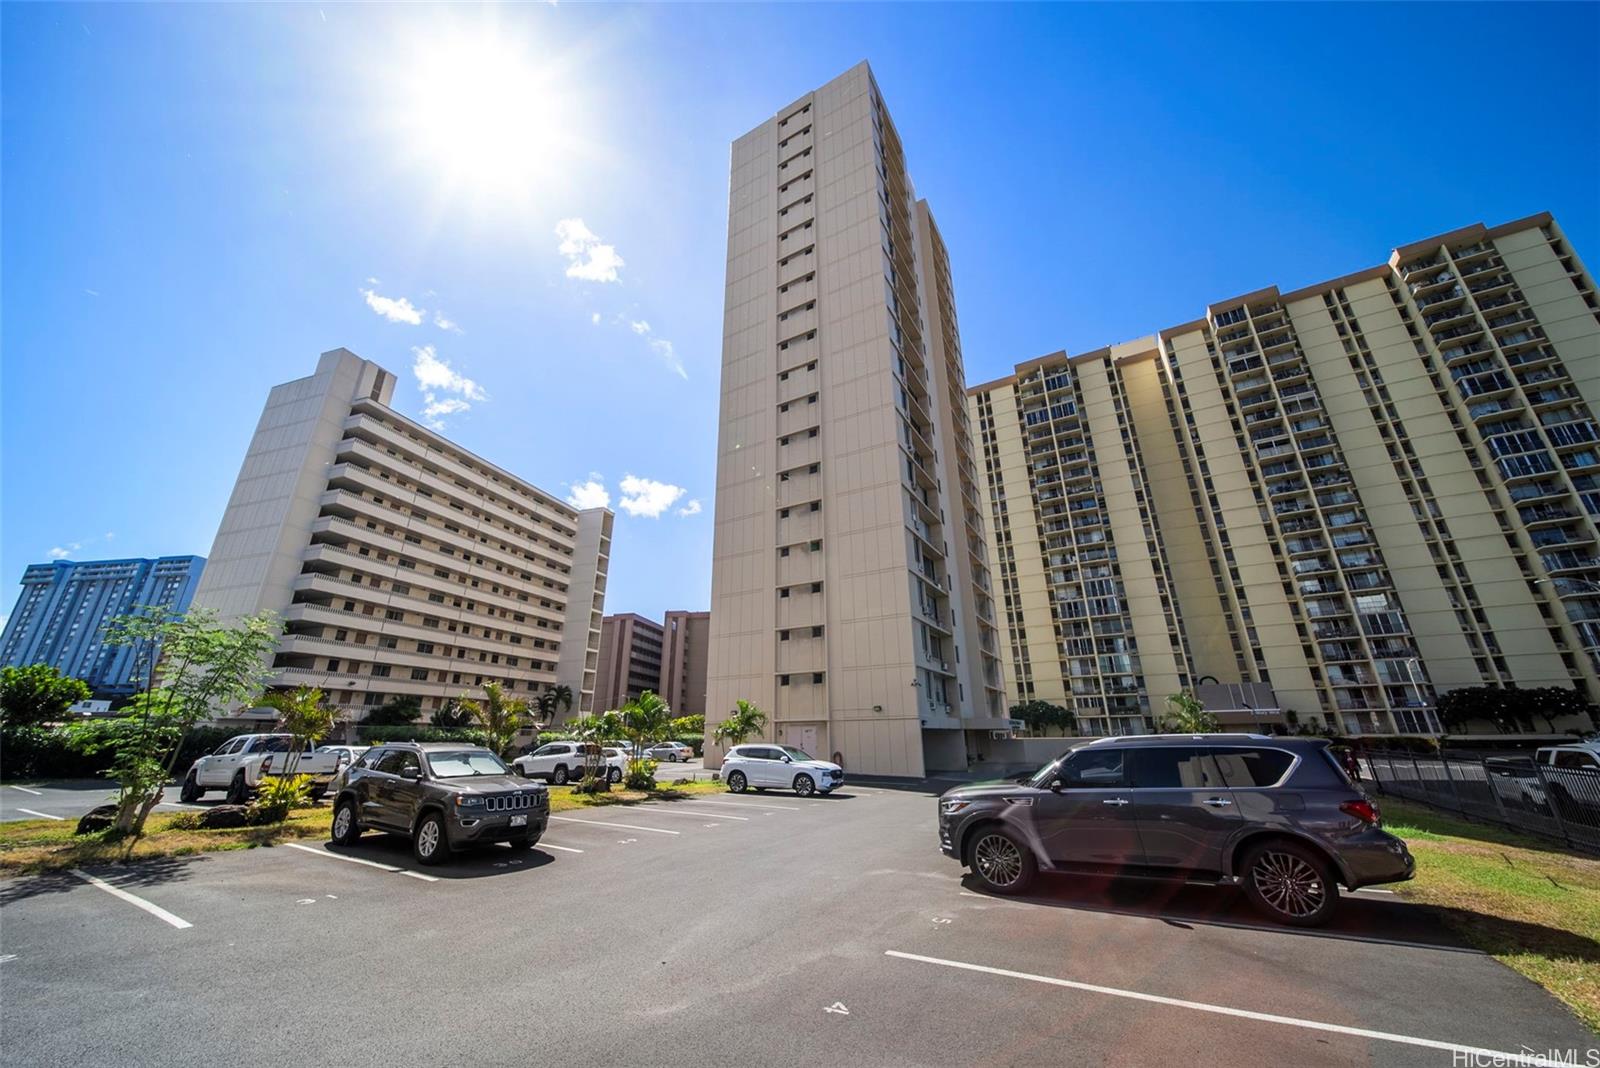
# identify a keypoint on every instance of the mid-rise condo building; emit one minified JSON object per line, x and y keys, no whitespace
{"x":403,"y":565}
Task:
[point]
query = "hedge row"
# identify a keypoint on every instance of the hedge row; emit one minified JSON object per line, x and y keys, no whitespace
{"x":44,"y":753}
{"x":379,"y":735}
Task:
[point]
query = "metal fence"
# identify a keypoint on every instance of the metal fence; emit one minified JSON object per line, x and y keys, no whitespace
{"x":1514,"y":791}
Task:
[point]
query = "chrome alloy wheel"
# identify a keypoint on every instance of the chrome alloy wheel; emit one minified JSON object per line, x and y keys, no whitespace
{"x":1289,"y":884}
{"x":997,"y":859}
{"x":341,"y":822}
{"x":428,"y":838}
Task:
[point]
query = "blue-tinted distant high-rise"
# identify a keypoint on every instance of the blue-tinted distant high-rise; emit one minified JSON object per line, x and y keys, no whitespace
{"x":60,"y":617}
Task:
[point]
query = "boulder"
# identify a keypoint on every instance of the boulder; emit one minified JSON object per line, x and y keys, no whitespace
{"x":225,"y":816}
{"x":97,"y":819}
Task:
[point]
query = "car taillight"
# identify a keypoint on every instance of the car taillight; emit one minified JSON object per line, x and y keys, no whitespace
{"x":266,"y":766}
{"x":1363,"y":810}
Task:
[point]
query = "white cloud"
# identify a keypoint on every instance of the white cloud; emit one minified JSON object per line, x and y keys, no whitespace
{"x":660,"y":346}
{"x":58,"y":553}
{"x":595,"y":318}
{"x":394,"y":309}
{"x":443,"y":323}
{"x":590,"y":494}
{"x":436,"y":379}
{"x":691,"y":508}
{"x":588,"y":258}
{"x":647,"y":497}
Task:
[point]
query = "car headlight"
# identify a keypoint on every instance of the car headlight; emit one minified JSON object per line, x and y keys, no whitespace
{"x":953,"y":805}
{"x":463,"y":801}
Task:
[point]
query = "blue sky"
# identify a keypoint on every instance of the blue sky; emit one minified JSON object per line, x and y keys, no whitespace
{"x":197,"y":200}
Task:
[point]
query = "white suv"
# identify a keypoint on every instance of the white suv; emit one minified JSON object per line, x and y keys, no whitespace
{"x":560,"y":762}
{"x":780,"y":766}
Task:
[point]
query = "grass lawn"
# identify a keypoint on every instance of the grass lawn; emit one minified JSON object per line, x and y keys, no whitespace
{"x":1532,"y":905}
{"x":49,"y":845}
{"x":30,"y":846}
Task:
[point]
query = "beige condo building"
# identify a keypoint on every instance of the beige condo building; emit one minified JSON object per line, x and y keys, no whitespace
{"x":1350,"y":498}
{"x":685,"y":649}
{"x":850,"y":589}
{"x":403,"y":565}
{"x":630,"y":659}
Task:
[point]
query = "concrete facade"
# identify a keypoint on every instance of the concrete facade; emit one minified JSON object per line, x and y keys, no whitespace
{"x":1362,"y":493}
{"x":686,"y":645}
{"x":630,"y":659}
{"x":60,"y":617}
{"x":403,"y":565}
{"x":846,"y":581}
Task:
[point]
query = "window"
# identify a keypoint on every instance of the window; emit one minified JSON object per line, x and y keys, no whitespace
{"x":1252,"y":767}
{"x":381,"y":670}
{"x":419,"y":674}
{"x":424,"y":647}
{"x":1092,"y":768}
{"x":393,"y":613}
{"x":1173,"y":767}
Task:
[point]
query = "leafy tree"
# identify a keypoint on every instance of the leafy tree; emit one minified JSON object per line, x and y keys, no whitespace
{"x":451,"y":716}
{"x":304,"y":713}
{"x":746,"y":720}
{"x":498,"y":716}
{"x":395,"y":712}
{"x":204,"y":668}
{"x":687,"y":727}
{"x":37,"y":693}
{"x":1550,"y":703}
{"x":554,"y":701}
{"x":1041,"y":715}
{"x":1186,"y":715}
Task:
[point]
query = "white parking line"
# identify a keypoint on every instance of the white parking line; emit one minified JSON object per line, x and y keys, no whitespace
{"x":138,"y":902}
{"x":41,"y":815}
{"x":1374,"y":890}
{"x":24,"y":789}
{"x":1495,"y":1056}
{"x":564,"y":849}
{"x":624,"y":826}
{"x":667,"y":809}
{"x":740,"y":804}
{"x":314,"y":851}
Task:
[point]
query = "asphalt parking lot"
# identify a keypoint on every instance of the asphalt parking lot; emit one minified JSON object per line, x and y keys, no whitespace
{"x":756,"y":929}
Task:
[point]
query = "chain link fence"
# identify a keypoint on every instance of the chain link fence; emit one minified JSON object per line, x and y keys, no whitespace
{"x":1513,"y":791}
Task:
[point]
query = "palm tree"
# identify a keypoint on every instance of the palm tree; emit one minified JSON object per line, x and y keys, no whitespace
{"x":451,"y":716}
{"x":303,"y":713}
{"x":646,"y":720}
{"x":554,"y":701}
{"x":1186,"y":715}
{"x":497,"y":716}
{"x":746,"y":720}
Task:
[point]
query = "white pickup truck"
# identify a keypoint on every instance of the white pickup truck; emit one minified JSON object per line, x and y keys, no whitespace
{"x":239,"y":763}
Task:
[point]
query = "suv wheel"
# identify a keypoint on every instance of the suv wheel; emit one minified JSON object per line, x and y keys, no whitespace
{"x":429,"y":842}
{"x":345,"y":828}
{"x":804,"y":785}
{"x":191,"y":789}
{"x":1002,"y":862}
{"x":1290,"y":883}
{"x":238,"y":790}
{"x":559,"y":776}
{"x":614,"y":775}
{"x":737,"y":781}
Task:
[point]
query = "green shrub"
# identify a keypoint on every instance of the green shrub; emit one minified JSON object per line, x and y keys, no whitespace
{"x":546,"y":737}
{"x":419,"y":733}
{"x":641,"y":775}
{"x":277,"y":796}
{"x":34,"y":752}
{"x":593,"y":784}
{"x":184,"y":821}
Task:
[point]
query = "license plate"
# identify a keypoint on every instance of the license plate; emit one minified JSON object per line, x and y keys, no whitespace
{"x":519,"y":821}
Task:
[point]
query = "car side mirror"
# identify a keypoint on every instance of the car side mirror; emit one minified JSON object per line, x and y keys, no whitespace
{"x":788,"y":760}
{"x":411,"y":773}
{"x":1056,"y":786}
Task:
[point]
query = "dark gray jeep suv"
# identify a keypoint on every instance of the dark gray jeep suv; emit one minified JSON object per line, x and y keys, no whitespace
{"x":1275,"y":816}
{"x":442,"y":796}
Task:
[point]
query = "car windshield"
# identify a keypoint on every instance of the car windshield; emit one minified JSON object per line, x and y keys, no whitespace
{"x":797,"y":754}
{"x":460,"y":764}
{"x":1042,"y":778}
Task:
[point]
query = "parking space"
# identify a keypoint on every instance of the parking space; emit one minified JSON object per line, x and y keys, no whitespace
{"x":752,"y":928}
{"x":66,"y":800}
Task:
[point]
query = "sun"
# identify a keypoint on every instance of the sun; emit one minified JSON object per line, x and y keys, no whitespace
{"x":482,"y":110}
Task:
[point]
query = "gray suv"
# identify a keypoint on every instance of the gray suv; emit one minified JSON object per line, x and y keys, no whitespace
{"x":1275,"y":816}
{"x":440,"y":795}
